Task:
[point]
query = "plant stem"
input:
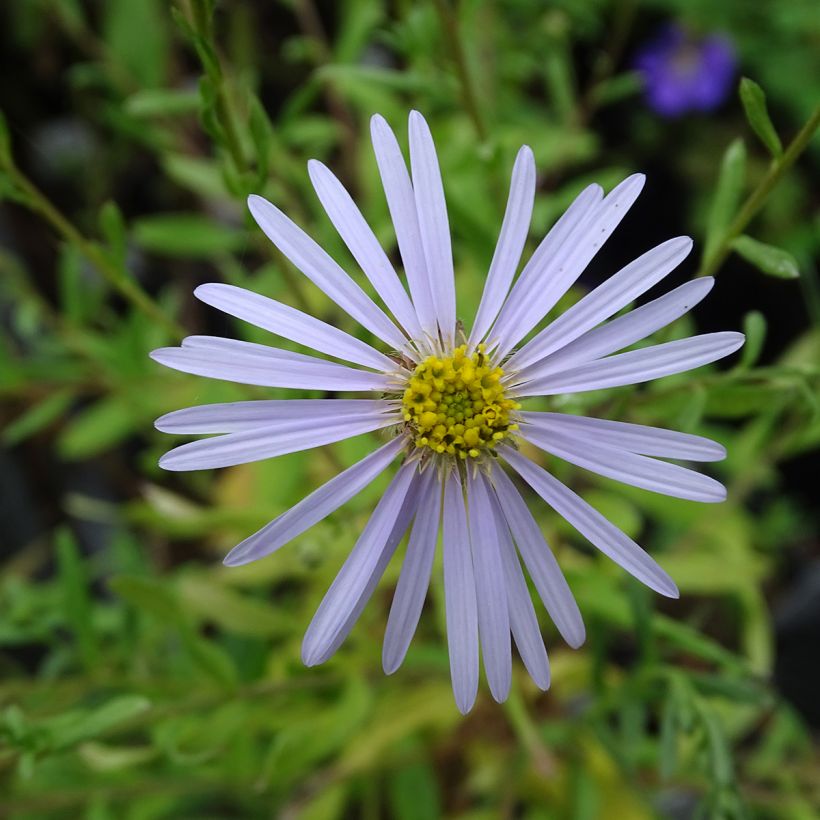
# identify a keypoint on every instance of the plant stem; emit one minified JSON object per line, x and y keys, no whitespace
{"x":758,"y":197}
{"x":449,"y":24}
{"x":124,"y":284}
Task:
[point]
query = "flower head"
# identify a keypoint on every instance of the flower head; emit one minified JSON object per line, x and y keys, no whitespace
{"x":453,"y":407}
{"x":683,"y":73}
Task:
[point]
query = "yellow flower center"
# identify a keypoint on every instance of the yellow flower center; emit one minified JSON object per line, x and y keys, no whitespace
{"x":455,"y":405}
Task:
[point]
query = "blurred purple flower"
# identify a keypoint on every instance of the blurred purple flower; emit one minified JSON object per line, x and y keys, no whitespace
{"x":684,"y":73}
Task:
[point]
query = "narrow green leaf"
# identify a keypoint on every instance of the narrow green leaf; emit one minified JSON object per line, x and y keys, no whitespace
{"x":767,"y":258}
{"x":36,"y":417}
{"x":76,"y":600}
{"x":112,"y":225}
{"x":183,"y":234}
{"x":754,"y":326}
{"x":149,"y":595}
{"x":5,"y":141}
{"x":210,"y":658}
{"x":754,"y":102}
{"x":162,"y":102}
{"x":668,"y":752}
{"x":727,"y":195}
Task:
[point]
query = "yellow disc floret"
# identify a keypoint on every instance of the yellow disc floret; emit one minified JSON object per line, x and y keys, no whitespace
{"x":455,"y":405}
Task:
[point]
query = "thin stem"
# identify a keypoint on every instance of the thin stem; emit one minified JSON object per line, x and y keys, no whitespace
{"x":311,"y":24}
{"x":124,"y":284}
{"x":449,"y":24}
{"x":758,"y":197}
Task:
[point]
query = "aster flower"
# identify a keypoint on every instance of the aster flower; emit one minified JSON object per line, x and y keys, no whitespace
{"x":684,"y":73}
{"x":451,"y":405}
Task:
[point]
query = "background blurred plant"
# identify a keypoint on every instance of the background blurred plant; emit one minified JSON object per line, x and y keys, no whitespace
{"x":142,"y":679}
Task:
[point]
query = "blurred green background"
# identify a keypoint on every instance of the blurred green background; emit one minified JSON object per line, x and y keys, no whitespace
{"x":142,"y":679}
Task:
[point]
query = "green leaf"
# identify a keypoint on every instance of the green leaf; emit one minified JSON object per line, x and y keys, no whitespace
{"x":149,"y":595}
{"x":76,"y":601}
{"x":754,"y":327}
{"x":162,"y":102}
{"x":36,"y":417}
{"x":186,"y":235}
{"x":210,"y":658}
{"x":73,"y":727}
{"x":5,"y":141}
{"x":97,"y":428}
{"x":767,"y":258}
{"x":137,"y":34}
{"x":727,"y":195}
{"x":754,"y":103}
{"x":112,"y":225}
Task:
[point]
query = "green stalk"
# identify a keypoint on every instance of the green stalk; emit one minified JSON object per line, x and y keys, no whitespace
{"x":758,"y":197}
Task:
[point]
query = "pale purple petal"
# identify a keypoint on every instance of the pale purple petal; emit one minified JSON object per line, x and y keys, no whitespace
{"x":637,"y":366}
{"x":248,"y":363}
{"x":637,"y":438}
{"x":592,"y":525}
{"x":523,"y":621}
{"x":274,"y":440}
{"x":362,"y":242}
{"x":401,"y":202}
{"x":540,"y":562}
{"x":405,"y":516}
{"x":323,"y":271}
{"x":460,"y":597}
{"x":314,"y":507}
{"x":621,"y":332}
{"x":511,"y":239}
{"x":292,"y":324}
{"x":559,"y":272}
{"x":433,"y":223}
{"x":621,"y":465}
{"x":235,"y":417}
{"x":563,"y":234}
{"x":605,"y":301}
{"x":356,"y":572}
{"x":411,"y":590}
{"x":491,"y":591}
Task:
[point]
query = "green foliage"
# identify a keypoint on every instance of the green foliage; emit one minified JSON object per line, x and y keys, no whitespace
{"x":141,"y":679}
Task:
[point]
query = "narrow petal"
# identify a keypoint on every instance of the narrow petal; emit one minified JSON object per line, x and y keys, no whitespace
{"x":346,"y":590}
{"x":637,"y":438}
{"x":559,"y":272}
{"x":323,"y":271}
{"x":491,"y":591}
{"x":605,"y":301}
{"x":238,"y":416}
{"x":415,"y":575}
{"x":637,"y":366}
{"x":523,"y":621}
{"x":511,"y":239}
{"x":593,"y":526}
{"x":248,"y":363}
{"x":540,"y":562}
{"x":621,"y":465}
{"x":621,"y":332}
{"x":314,"y":507}
{"x":362,"y":242}
{"x":433,"y":224}
{"x":401,"y":201}
{"x":267,"y":442}
{"x":565,"y":232}
{"x":460,"y":597}
{"x":405,"y":516}
{"x":292,"y":324}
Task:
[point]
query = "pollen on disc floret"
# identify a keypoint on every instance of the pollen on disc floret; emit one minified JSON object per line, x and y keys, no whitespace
{"x":455,"y":405}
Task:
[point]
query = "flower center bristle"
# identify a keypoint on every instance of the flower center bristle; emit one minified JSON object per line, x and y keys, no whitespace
{"x":455,"y":405}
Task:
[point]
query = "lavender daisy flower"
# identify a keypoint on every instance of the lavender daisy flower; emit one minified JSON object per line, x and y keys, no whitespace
{"x":683,"y":73}
{"x":451,"y":404}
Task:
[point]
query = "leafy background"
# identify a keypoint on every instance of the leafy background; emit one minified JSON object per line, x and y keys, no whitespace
{"x":140,"y":678}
